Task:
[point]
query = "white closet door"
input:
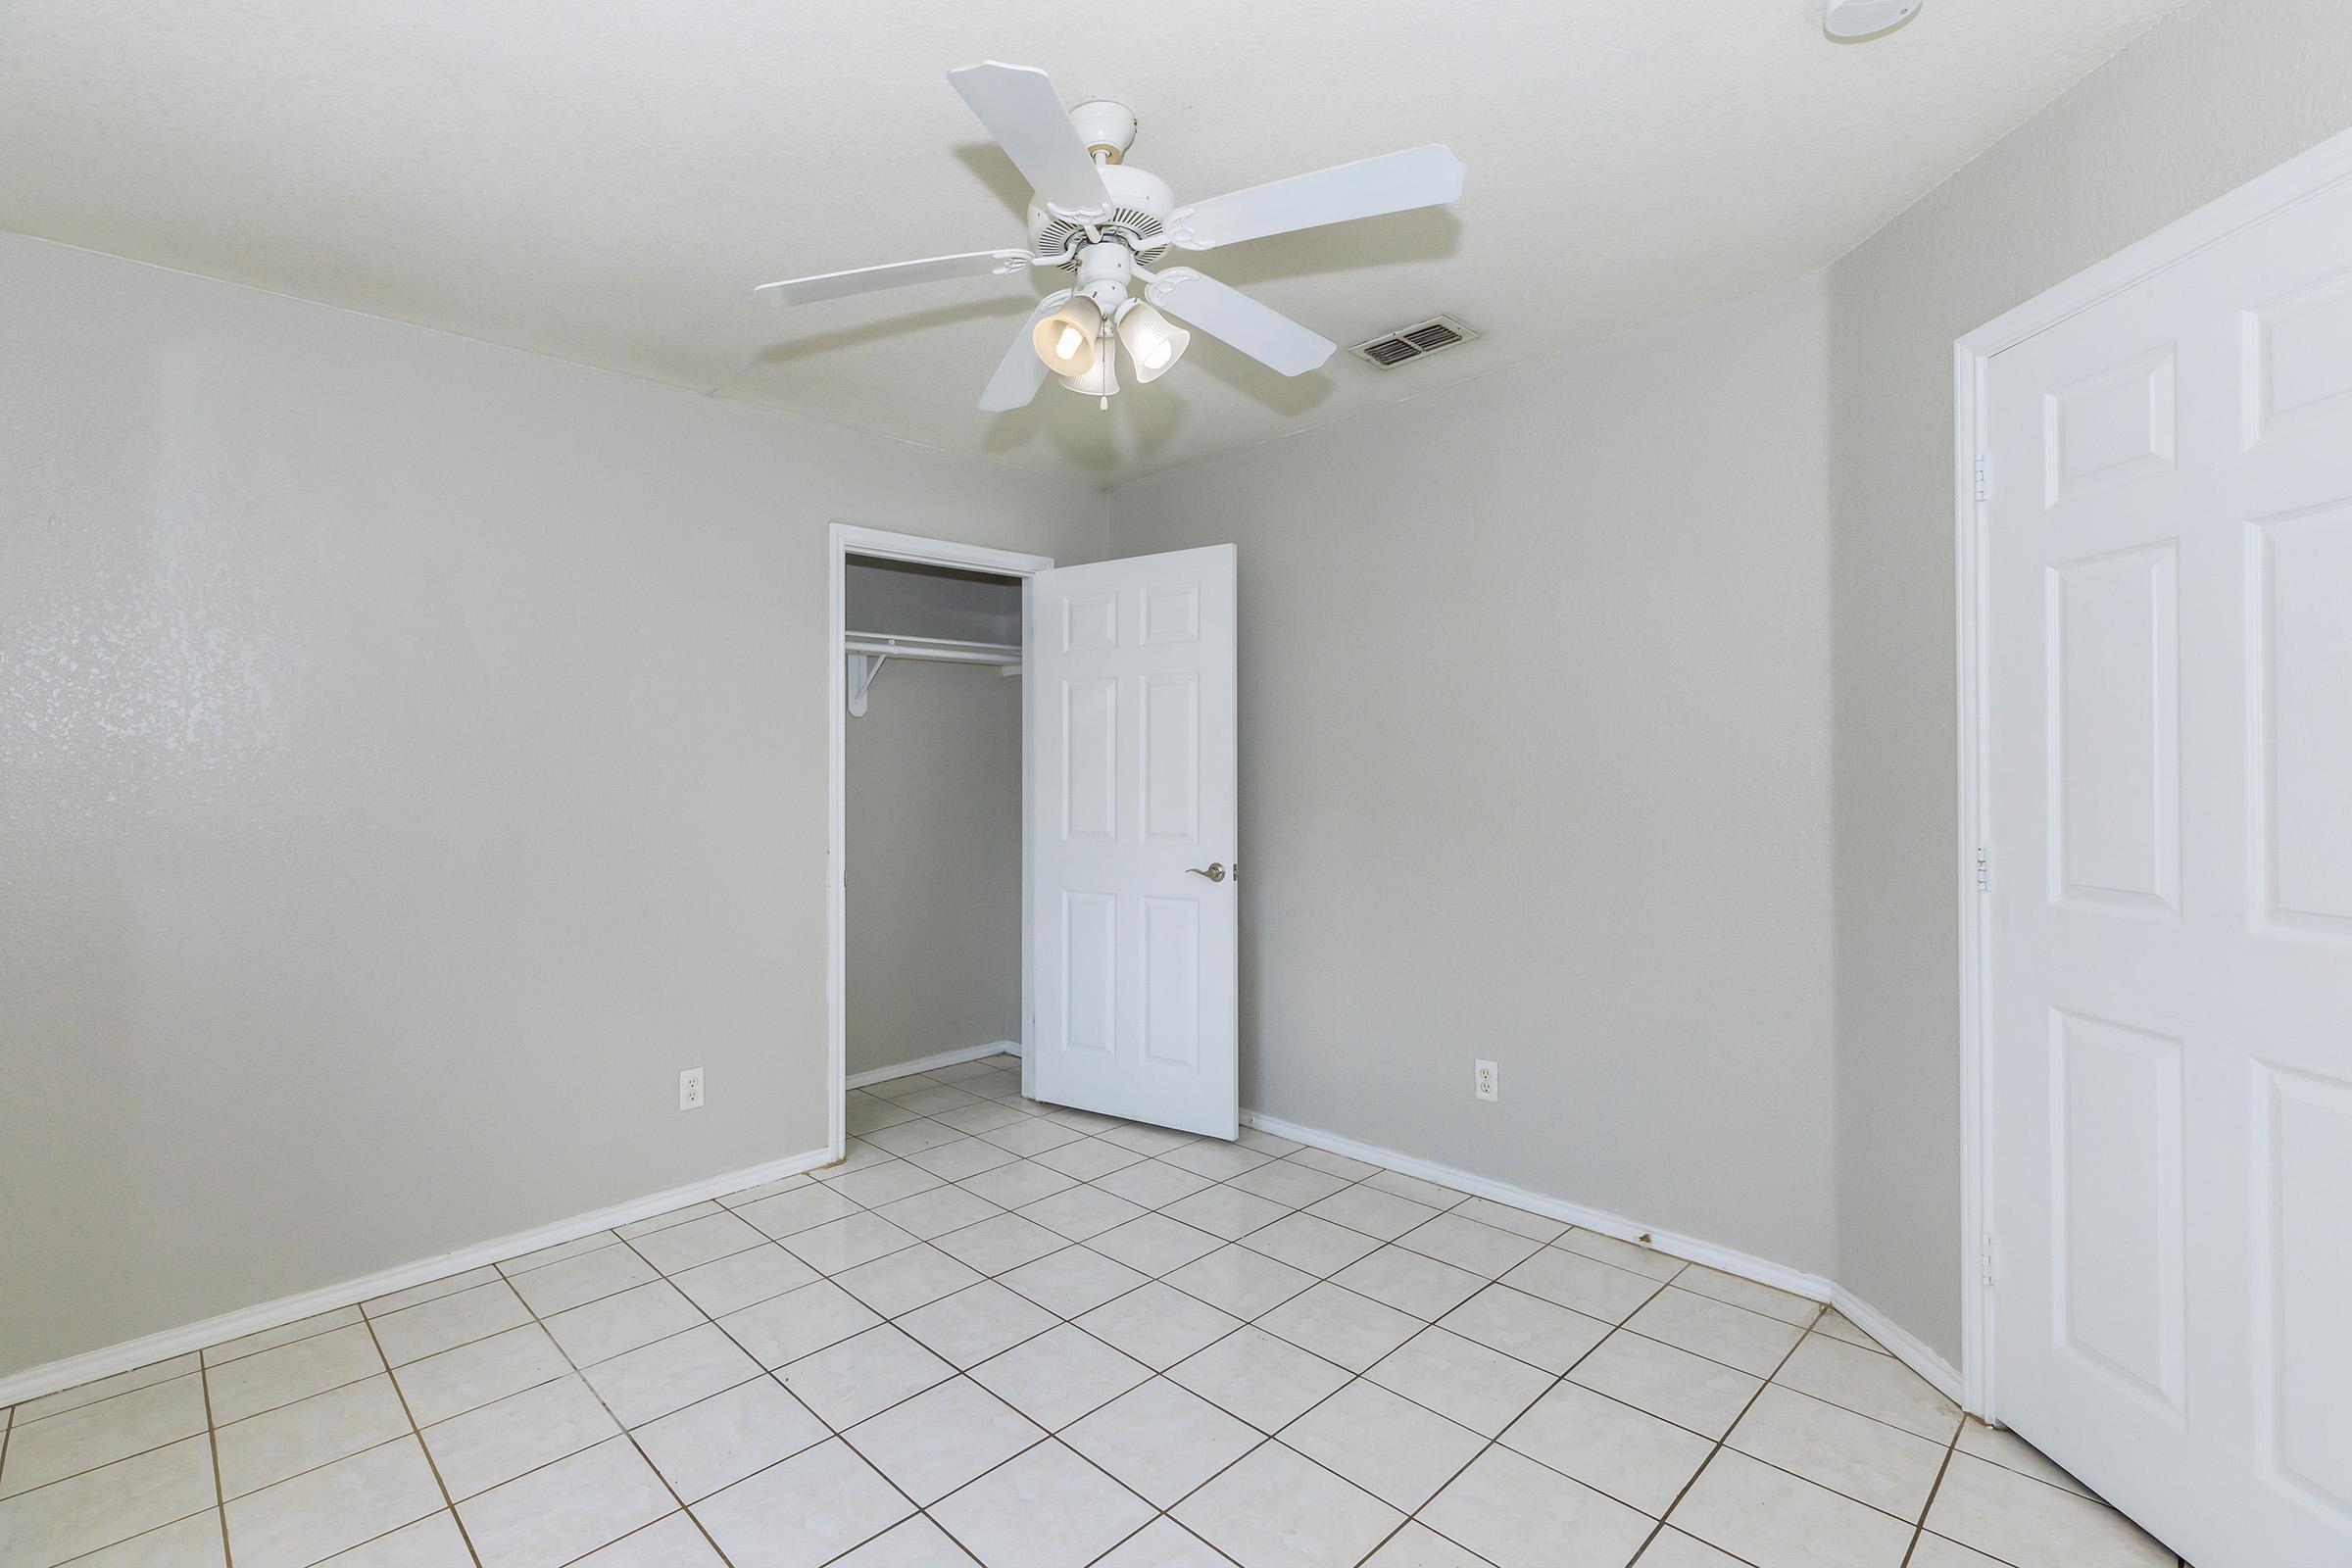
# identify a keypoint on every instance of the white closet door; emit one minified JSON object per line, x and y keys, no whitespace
{"x":2170,"y":612}
{"x":1132,"y":835}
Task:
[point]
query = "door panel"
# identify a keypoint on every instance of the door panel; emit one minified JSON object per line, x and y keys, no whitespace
{"x":2116,"y":706}
{"x":2303,"y":1146}
{"x":2119,"y":1186}
{"x":2301,"y":585}
{"x":2169,"y":702}
{"x":1137,"y":958}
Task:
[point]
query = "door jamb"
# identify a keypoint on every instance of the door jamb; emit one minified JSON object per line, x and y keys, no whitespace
{"x":2298,"y":180}
{"x":847,"y":540}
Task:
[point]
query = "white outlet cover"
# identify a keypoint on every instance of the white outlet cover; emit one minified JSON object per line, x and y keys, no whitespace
{"x":1487,"y":1081}
{"x":690,"y":1089}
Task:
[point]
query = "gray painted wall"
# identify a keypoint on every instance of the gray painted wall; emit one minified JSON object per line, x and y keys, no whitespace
{"x":1534,"y":766}
{"x":2216,"y":95}
{"x":413,"y":756}
{"x":934,"y":893}
{"x":908,"y":599}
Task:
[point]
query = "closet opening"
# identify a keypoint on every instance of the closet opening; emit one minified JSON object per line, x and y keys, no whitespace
{"x":926,"y":926}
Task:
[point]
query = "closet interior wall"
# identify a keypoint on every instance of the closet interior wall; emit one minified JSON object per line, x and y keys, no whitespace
{"x":933,"y":815}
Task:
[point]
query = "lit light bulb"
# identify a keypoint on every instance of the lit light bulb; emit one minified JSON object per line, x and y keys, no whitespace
{"x":1152,"y":341}
{"x":1101,"y":378}
{"x":1065,"y":338}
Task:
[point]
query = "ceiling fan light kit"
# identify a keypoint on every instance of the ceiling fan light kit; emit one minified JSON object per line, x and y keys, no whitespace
{"x":1093,"y":215}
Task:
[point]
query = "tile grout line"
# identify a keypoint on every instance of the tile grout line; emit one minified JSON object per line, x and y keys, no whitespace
{"x":1929,"y":1506}
{"x":1729,"y":1428}
{"x":120,"y":1458}
{"x":104,"y":1399}
{"x":1865,"y":1415}
{"x":1495,"y":1441}
{"x":314,"y":1470}
{"x":211,"y":1438}
{"x":430,"y":1463}
{"x":577,"y":1371}
{"x":1659,"y":1534}
{"x":141,"y":1453}
{"x":207,"y":1364}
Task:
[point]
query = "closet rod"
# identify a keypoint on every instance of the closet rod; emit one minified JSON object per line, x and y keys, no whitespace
{"x":951,"y":649}
{"x":868,"y":651}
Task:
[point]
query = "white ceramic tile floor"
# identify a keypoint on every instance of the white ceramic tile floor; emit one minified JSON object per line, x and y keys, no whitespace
{"x":882,"y":1365}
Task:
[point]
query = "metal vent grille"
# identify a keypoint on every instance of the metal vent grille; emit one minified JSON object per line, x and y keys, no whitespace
{"x":1416,"y":342}
{"x":1145,"y":235}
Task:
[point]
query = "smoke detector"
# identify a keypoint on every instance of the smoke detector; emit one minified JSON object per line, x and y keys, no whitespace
{"x":1865,"y":19}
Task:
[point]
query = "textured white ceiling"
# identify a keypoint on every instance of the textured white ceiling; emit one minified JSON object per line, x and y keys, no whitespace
{"x":605,"y":180}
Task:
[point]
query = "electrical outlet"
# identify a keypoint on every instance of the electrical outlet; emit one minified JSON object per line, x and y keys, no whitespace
{"x":690,"y":1089}
{"x":1487,"y":1087}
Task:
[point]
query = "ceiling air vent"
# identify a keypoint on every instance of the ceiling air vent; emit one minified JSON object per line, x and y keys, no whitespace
{"x":1418,"y":341}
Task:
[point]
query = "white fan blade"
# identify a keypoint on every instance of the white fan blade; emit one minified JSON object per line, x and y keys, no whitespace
{"x":1424,"y":176}
{"x":866,"y":279}
{"x":1022,"y":372}
{"x":1020,"y":109}
{"x":1266,"y":336}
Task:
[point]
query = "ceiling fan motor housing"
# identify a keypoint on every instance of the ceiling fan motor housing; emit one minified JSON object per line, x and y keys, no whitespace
{"x":1141,"y":202}
{"x":1104,"y":274}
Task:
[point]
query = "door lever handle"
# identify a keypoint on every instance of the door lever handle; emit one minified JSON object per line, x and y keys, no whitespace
{"x":1215,"y":871}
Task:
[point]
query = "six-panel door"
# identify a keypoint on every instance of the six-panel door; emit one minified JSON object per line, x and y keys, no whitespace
{"x":1131,"y":666}
{"x":2169,"y":598}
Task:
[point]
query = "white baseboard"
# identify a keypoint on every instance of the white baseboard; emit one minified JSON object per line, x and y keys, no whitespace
{"x":1903,"y":1342}
{"x":1904,"y":1346}
{"x":90,"y":1365}
{"x":946,"y":1058}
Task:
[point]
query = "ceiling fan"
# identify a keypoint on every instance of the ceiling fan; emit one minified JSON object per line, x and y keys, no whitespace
{"x":1094,"y":217}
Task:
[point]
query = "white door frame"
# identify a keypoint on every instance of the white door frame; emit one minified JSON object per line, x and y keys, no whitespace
{"x":2298,"y":180}
{"x":847,"y":541}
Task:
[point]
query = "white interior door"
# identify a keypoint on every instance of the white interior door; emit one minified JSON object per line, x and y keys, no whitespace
{"x":2168,"y":581}
{"x":1132,"y":839}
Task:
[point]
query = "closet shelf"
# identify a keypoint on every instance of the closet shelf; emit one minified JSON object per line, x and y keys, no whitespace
{"x":869,"y":650}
